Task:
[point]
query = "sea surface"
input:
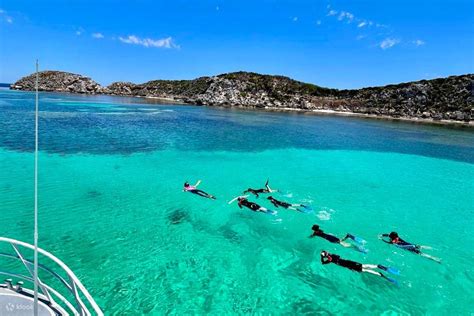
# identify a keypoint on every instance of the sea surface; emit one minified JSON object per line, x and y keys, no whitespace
{"x":111,"y":205}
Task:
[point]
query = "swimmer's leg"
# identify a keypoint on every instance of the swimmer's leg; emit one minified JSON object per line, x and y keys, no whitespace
{"x":199,"y":192}
{"x":354,"y":238}
{"x":268,"y":188}
{"x":203,"y":194}
{"x":345,"y":244}
{"x":266,"y":211}
{"x":438,"y":260}
{"x":369,"y":266}
{"x":365,"y":268}
{"x":425,"y":247}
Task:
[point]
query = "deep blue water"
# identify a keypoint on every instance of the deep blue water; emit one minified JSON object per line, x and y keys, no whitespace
{"x":116,"y":125}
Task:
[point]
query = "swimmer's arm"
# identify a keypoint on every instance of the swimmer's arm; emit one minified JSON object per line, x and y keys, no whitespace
{"x":382,"y":236}
{"x":197,"y":183}
{"x":324,"y":260}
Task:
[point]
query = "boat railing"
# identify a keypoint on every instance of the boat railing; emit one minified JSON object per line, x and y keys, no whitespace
{"x":49,"y":294}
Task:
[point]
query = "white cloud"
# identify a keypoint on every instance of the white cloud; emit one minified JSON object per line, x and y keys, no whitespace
{"x":346,"y":15}
{"x":295,"y":19}
{"x":5,"y":17}
{"x":332,"y":13}
{"x":318,"y":22}
{"x":389,"y":43}
{"x":217,"y":8}
{"x":79,"y":31}
{"x":362,"y":24}
{"x":148,"y":42}
{"x":359,"y":37}
{"x":97,"y":35}
{"x":419,"y":42}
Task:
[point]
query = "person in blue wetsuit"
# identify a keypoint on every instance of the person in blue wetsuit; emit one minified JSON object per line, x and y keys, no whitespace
{"x":394,"y":239}
{"x":327,"y":258}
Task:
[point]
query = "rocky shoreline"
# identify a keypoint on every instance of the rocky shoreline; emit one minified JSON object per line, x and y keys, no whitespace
{"x":443,"y":100}
{"x":375,"y":116}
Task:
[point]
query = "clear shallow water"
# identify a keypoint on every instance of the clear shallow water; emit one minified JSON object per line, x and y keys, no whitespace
{"x":111,"y":206}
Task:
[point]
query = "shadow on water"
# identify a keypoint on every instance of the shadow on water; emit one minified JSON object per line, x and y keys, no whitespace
{"x":76,"y":124}
{"x":93,"y":194}
{"x":178,"y":216}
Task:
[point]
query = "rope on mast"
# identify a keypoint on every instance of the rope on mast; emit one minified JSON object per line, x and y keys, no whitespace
{"x":36,"y":200}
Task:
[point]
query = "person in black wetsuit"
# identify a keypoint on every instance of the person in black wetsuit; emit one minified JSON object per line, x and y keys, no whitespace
{"x":318,"y":232}
{"x":257,"y":191}
{"x":242,"y":201}
{"x":193,"y":189}
{"x":394,"y":239}
{"x":327,"y":258}
{"x":286,"y":205}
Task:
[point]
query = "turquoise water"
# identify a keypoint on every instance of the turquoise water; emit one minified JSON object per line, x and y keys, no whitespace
{"x":111,"y":206}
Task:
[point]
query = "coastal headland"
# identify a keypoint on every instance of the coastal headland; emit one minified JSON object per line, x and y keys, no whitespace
{"x":442,"y":100}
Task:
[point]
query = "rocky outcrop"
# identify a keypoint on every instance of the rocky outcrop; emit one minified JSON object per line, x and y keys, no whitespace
{"x":59,"y":81}
{"x":449,"y":98}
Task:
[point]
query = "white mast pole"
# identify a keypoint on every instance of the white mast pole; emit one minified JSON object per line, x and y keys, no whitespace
{"x":36,"y":199}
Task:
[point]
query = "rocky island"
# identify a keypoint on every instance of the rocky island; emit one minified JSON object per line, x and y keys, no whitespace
{"x":443,"y":99}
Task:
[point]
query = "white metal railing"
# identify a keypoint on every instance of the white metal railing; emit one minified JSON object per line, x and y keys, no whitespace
{"x":73,"y":286}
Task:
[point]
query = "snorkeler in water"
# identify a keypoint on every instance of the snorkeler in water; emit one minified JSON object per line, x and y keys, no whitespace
{"x":394,"y":239}
{"x":318,"y":232}
{"x":288,"y":206}
{"x":327,"y":258}
{"x":255,"y":192}
{"x":193,"y":189}
{"x":243,"y":201}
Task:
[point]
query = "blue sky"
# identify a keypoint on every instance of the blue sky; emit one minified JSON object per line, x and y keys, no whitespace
{"x":339,"y":44}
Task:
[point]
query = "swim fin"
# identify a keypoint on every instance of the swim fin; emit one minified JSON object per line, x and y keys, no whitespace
{"x":359,"y":240}
{"x":356,"y":239}
{"x":392,"y":280}
{"x":305,"y":209}
{"x":389,"y":269}
{"x":361,"y":248}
